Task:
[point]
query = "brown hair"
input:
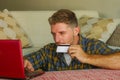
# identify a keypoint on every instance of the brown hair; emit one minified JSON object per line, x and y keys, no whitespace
{"x":64,"y":16}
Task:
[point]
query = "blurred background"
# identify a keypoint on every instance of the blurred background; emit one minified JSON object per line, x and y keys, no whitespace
{"x":106,"y":8}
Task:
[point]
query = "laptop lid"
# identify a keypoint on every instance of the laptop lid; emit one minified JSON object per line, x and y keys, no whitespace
{"x":11,"y":59}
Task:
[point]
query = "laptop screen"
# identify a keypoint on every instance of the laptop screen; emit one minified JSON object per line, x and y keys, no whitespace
{"x":11,"y":59}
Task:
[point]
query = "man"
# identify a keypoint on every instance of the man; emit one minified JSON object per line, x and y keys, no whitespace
{"x":83,"y":53}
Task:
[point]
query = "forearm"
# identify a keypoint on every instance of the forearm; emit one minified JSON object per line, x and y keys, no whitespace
{"x":111,"y":61}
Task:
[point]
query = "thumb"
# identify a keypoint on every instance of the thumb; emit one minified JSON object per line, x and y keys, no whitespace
{"x":25,"y":63}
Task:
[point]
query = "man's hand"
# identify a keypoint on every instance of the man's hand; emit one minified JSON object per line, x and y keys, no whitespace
{"x":28,"y":66}
{"x":77,"y":52}
{"x":110,"y":61}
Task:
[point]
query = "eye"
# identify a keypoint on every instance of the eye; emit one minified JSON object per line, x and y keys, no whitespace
{"x":62,"y":33}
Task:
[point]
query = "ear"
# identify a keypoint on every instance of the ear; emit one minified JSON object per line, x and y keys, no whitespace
{"x":76,"y":31}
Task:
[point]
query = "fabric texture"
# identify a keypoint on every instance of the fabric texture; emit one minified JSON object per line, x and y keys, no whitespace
{"x":114,"y":40}
{"x":97,"y":28}
{"x":10,"y":29}
{"x":88,"y":74}
{"x":48,"y":60}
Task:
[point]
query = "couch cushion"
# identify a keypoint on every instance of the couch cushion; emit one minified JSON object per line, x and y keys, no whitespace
{"x":98,"y":28}
{"x":10,"y":29}
{"x":114,"y":40}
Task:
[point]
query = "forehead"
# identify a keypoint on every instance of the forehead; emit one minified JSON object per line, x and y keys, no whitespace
{"x":59,"y":27}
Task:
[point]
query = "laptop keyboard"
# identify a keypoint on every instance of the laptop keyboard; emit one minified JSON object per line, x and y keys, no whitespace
{"x":30,"y":75}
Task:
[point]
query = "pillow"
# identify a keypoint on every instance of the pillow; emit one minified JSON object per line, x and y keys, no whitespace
{"x":114,"y":40}
{"x":97,"y":28}
{"x":10,"y":29}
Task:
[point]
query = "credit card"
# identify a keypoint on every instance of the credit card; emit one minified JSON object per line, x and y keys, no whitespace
{"x":62,"y":48}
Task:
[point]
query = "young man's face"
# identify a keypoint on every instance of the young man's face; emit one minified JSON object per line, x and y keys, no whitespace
{"x":63,"y":34}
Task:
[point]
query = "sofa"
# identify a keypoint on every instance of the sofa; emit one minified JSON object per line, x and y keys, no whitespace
{"x":36,"y":29}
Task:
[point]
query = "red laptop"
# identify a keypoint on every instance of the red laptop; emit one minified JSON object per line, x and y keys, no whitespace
{"x":11,"y":59}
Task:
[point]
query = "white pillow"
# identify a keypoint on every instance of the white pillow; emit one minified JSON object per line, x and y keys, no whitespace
{"x":10,"y":29}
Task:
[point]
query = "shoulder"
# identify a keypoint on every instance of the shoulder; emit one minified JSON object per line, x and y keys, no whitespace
{"x":94,"y":46}
{"x":90,"y":42}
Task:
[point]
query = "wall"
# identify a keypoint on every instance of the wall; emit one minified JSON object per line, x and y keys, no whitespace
{"x":106,"y":8}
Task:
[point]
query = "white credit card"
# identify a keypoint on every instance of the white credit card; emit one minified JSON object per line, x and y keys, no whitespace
{"x":62,"y":48}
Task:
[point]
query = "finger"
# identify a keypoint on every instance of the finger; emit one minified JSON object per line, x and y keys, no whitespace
{"x":30,"y":67}
{"x":74,"y":47}
{"x":25,"y":63}
{"x":72,"y":55}
{"x":72,"y":51}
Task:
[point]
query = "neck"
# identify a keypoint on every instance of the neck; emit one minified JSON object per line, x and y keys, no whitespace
{"x":76,"y":40}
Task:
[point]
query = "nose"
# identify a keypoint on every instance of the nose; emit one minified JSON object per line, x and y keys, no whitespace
{"x":57,"y":38}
